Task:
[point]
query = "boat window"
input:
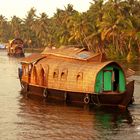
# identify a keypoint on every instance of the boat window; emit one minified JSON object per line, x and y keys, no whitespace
{"x":79,"y":76}
{"x":55,"y":74}
{"x":30,"y":67}
{"x":35,"y":75}
{"x":25,"y":70}
{"x":64,"y":74}
{"x":82,"y":55}
{"x":43,"y":77}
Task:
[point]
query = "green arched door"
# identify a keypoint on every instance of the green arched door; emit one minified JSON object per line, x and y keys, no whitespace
{"x":107,"y":80}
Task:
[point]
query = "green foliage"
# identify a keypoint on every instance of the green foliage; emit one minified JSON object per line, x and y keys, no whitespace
{"x":112,"y":26}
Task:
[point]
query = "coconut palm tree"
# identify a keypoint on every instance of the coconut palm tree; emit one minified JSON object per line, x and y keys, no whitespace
{"x":27,"y":30}
{"x":16,"y":24}
{"x":95,"y":15}
{"x":4,"y":29}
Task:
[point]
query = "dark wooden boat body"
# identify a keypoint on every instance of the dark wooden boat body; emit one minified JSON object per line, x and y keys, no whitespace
{"x":121,"y":100}
{"x":52,"y":75}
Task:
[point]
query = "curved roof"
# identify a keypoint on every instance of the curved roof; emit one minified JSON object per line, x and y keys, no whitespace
{"x":89,"y":71}
{"x":67,"y":53}
{"x":16,"y":41}
{"x":32,"y":58}
{"x":72,"y":61}
{"x":72,"y":53}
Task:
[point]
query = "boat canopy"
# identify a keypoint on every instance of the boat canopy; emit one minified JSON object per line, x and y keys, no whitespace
{"x":110,"y":78}
{"x":89,"y":74}
{"x":15,"y":41}
{"x":32,"y":58}
{"x":75,"y":53}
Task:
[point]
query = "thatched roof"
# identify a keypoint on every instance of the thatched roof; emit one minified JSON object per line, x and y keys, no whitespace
{"x":74,"y":63}
{"x":16,"y":41}
{"x":32,"y":58}
{"x":88,"y":71}
{"x":67,"y":53}
{"x":74,"y":53}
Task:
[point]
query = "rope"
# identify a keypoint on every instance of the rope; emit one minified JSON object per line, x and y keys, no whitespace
{"x":98,"y":101}
{"x":45,"y":93}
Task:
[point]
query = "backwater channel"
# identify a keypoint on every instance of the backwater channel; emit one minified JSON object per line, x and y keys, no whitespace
{"x":22,"y":118}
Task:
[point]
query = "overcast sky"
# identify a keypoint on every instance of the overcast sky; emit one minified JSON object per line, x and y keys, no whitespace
{"x":9,"y":8}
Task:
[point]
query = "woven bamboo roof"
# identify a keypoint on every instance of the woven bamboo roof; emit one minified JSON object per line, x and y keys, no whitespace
{"x":73,"y":62}
{"x":67,"y":53}
{"x":14,"y":42}
{"x":32,"y":58}
{"x":72,"y":52}
{"x":89,"y":71}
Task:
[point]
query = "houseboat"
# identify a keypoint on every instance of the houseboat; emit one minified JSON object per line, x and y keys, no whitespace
{"x":76,"y":75}
{"x":15,"y":48}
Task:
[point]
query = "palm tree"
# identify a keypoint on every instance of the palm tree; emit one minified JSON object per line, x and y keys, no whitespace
{"x":95,"y":15}
{"x":4,"y":29}
{"x":41,"y":28}
{"x":16,"y":24}
{"x":62,"y":19}
{"x":115,"y":22}
{"x":27,"y":30}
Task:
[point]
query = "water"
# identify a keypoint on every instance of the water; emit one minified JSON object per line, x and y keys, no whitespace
{"x":22,"y":118}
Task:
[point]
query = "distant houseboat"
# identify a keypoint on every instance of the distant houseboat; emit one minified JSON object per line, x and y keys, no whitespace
{"x":76,"y":75}
{"x":15,"y":48}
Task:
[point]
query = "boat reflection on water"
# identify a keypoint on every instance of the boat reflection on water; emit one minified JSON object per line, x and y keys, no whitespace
{"x":56,"y":120}
{"x":113,"y":124}
{"x":113,"y":118}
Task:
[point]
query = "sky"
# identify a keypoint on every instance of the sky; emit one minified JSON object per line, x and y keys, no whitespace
{"x":19,"y":8}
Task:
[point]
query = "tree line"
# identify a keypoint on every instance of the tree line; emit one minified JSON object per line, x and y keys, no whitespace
{"x":111,"y":26}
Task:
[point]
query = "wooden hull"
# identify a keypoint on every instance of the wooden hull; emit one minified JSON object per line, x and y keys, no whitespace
{"x":121,"y":100}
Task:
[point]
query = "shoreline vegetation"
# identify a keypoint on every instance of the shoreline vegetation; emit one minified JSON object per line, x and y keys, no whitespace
{"x":112,"y":27}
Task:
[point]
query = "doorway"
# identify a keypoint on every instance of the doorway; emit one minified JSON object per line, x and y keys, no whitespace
{"x":107,"y":80}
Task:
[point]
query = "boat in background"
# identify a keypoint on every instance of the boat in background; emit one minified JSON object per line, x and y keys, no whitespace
{"x":76,"y":75}
{"x":16,"y":48}
{"x":2,"y":46}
